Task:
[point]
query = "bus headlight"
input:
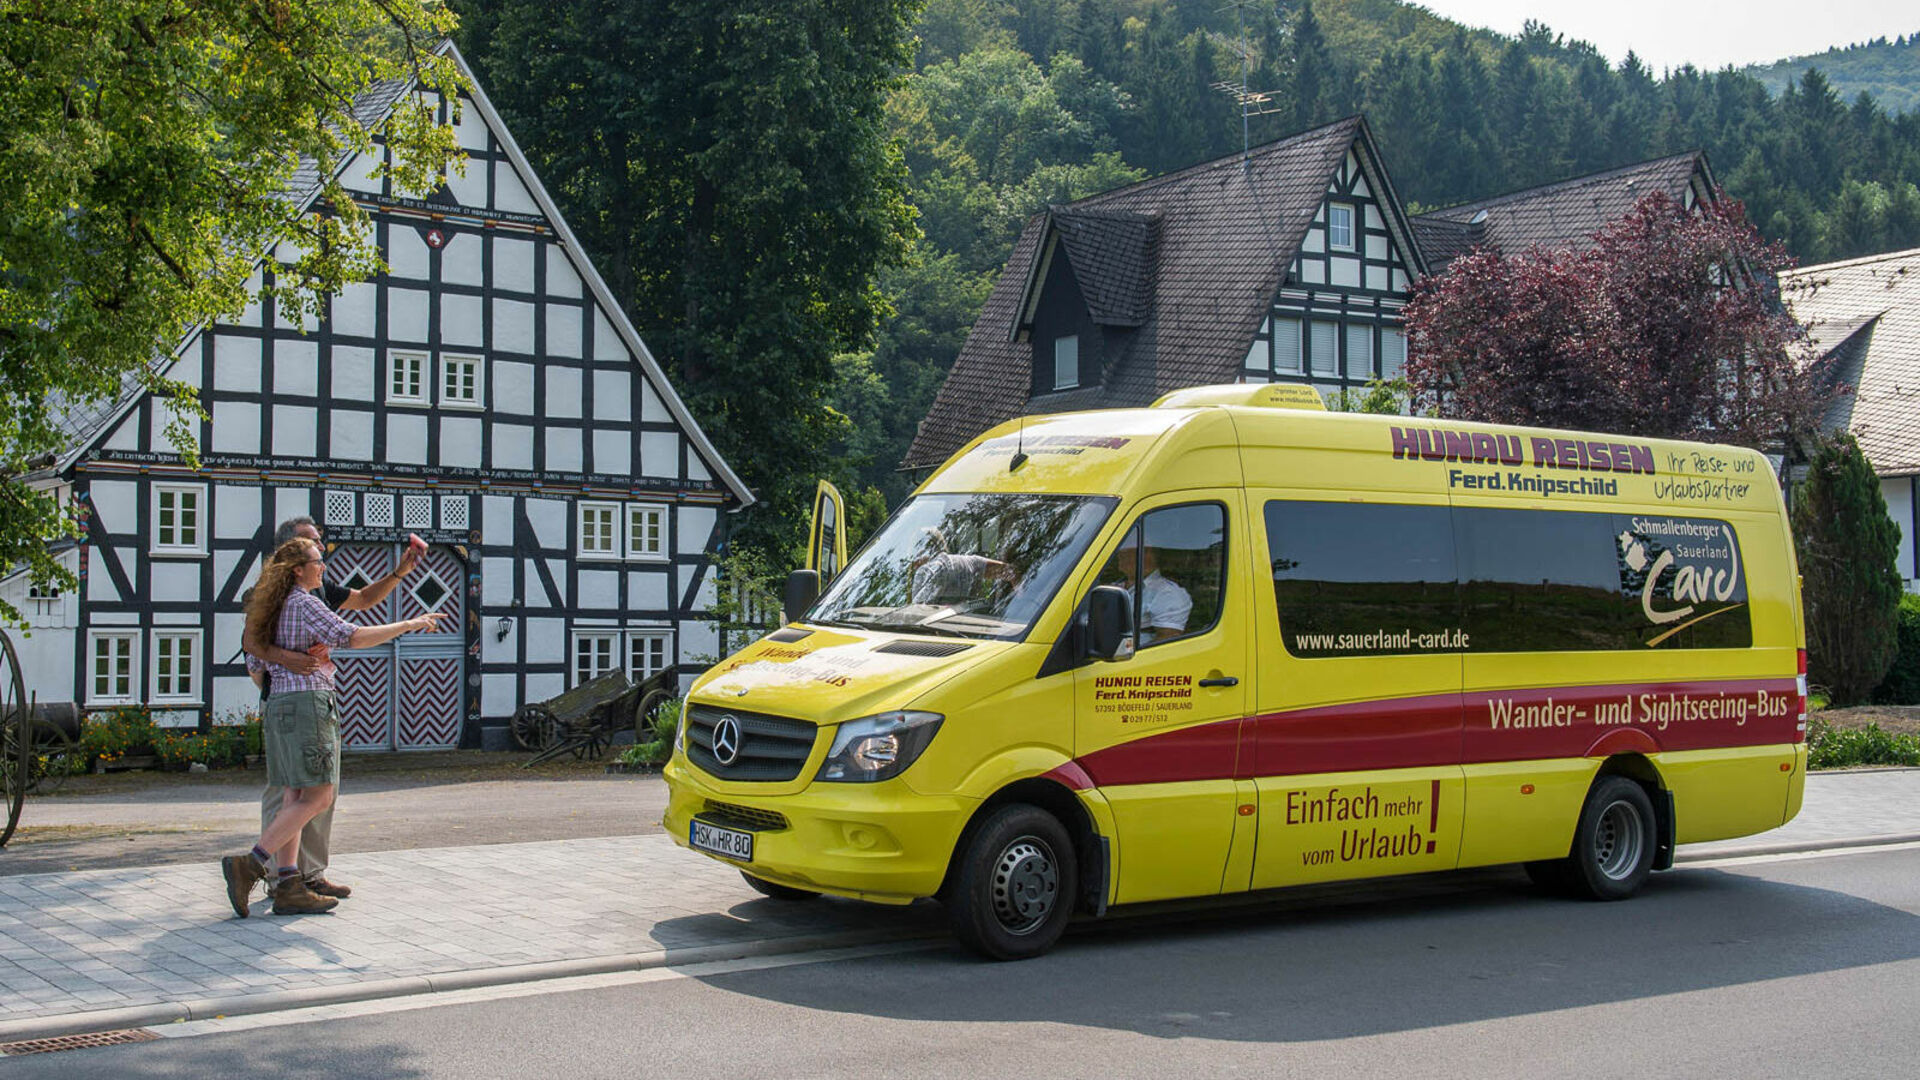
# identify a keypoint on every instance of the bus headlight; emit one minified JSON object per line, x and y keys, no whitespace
{"x":878,"y":747}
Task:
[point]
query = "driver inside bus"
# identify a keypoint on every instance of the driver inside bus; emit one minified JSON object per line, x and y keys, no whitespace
{"x":941,"y":576}
{"x":1164,"y":606}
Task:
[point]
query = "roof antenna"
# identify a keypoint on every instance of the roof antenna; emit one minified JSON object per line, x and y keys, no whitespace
{"x":1252,"y":102}
{"x":1019,"y":448}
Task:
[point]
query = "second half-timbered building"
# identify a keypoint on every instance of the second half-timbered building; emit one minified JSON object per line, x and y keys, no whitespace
{"x":487,"y":393}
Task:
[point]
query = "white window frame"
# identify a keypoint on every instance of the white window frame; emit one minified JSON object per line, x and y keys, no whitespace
{"x":1334,"y":242}
{"x":197,"y":545}
{"x":637,"y":547}
{"x":478,"y":398}
{"x":420,"y":393}
{"x":614,"y":523}
{"x":131,"y":638}
{"x":1066,"y":348}
{"x":610,"y":638}
{"x":635,"y":637}
{"x":196,"y":657}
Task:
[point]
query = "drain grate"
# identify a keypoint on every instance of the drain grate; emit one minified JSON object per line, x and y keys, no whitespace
{"x":76,"y":1042}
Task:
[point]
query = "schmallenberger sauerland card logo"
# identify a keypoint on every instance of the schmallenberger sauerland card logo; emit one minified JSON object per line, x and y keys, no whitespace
{"x":1682,"y":571}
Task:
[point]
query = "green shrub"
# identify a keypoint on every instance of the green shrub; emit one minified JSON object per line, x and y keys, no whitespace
{"x":1902,"y":684}
{"x":117,"y":732}
{"x":1829,"y":747}
{"x":1848,"y":548}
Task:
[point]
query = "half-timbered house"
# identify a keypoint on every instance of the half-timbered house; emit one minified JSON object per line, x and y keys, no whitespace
{"x":1290,"y":263}
{"x":487,"y":393}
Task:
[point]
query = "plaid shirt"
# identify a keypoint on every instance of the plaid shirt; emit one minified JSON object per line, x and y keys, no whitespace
{"x":304,"y":622}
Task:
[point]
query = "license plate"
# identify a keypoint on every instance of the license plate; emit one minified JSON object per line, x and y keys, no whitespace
{"x":726,"y":843}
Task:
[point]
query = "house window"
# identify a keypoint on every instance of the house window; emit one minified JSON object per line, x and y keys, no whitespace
{"x":1359,"y":351}
{"x":340,"y":508}
{"x":406,"y":379}
{"x":599,"y":530}
{"x":647,"y":653}
{"x":416,"y":511}
{"x":379,"y":511}
{"x":646,"y":531}
{"x":177,"y":519}
{"x":1066,"y":362}
{"x":114,"y":668}
{"x":460,"y":382}
{"x":1323,"y":342}
{"x":594,"y":654}
{"x":176,"y":666}
{"x":1393,"y":353}
{"x":1258,"y":356}
{"x":1286,"y":345}
{"x":1340,"y":226}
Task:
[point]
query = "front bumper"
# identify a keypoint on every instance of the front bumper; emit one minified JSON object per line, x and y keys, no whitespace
{"x":882,"y":842}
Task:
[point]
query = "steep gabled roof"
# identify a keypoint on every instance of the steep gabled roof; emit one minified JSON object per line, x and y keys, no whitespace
{"x":1563,"y":214}
{"x":91,"y":423}
{"x":1227,"y":231}
{"x":1865,"y":319}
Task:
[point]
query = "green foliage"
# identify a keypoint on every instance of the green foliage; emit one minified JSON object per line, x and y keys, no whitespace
{"x":1851,"y":588}
{"x":148,"y":145}
{"x":118,"y":732}
{"x":1887,"y":70}
{"x":1830,"y":747}
{"x":1902,"y":684}
{"x":217,"y":747}
{"x":1382,"y":396}
{"x":726,"y":162}
{"x":664,"y":729}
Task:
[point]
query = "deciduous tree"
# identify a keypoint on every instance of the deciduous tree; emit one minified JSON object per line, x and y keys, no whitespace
{"x":146,"y":153}
{"x":1666,"y":324}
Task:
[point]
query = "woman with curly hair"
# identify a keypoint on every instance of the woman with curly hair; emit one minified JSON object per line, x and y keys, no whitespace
{"x":302,"y":721}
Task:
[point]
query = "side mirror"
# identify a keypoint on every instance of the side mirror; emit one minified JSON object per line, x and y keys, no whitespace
{"x":1109,"y":623}
{"x":803,"y":588}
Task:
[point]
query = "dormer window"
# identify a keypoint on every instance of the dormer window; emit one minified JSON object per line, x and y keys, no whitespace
{"x":1066,"y":362}
{"x":1340,"y":226}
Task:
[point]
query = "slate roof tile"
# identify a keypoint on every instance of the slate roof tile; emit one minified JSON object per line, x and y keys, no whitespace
{"x":1227,"y":233}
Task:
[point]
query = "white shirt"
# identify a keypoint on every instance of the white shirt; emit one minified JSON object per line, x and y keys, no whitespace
{"x":1163,"y":605}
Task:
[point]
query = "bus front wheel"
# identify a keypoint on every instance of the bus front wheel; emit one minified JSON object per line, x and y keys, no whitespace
{"x":1014,"y":887}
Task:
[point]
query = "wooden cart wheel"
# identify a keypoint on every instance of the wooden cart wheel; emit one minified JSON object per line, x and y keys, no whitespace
{"x":15,"y":745}
{"x":646,"y":711}
{"x":534,"y":727}
{"x":52,"y":757}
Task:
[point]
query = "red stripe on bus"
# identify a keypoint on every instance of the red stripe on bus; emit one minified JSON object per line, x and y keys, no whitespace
{"x":1453,"y":729}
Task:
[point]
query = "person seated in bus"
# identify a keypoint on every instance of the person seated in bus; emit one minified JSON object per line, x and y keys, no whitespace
{"x":1164,"y":605}
{"x":943,"y":576}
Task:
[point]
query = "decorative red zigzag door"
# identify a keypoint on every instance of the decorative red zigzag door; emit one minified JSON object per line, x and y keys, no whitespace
{"x":404,"y":695}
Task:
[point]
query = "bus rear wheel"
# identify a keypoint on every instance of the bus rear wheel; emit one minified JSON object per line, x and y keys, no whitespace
{"x":1613,"y":845}
{"x":1014,"y":886}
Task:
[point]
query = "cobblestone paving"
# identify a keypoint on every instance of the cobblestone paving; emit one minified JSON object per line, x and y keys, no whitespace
{"x":102,"y":939}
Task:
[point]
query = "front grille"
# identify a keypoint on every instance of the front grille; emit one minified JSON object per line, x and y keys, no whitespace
{"x":750,"y":818}
{"x":772,"y":748}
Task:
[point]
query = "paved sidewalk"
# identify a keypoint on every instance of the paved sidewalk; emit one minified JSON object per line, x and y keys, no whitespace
{"x":96,"y":949}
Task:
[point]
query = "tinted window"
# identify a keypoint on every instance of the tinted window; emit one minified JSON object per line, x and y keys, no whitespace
{"x":1362,"y":580}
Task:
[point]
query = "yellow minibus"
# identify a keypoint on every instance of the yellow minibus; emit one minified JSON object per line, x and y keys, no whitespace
{"x":1236,"y":642}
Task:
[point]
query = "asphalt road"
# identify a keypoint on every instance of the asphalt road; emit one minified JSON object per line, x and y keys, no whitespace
{"x":1788,"y":967}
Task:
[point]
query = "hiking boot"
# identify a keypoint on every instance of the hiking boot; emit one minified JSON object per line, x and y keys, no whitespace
{"x":292,"y":897}
{"x":242,"y":874}
{"x":320,"y":886}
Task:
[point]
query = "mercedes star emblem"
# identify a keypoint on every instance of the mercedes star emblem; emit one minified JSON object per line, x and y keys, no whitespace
{"x":726,"y":740}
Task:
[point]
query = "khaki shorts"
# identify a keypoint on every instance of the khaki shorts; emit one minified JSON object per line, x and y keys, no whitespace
{"x":302,"y":733}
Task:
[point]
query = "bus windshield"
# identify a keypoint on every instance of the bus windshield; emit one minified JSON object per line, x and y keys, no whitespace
{"x":965,"y":565}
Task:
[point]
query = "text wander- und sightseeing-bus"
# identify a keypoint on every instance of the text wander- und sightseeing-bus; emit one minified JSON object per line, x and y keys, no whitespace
{"x":1234,"y":642}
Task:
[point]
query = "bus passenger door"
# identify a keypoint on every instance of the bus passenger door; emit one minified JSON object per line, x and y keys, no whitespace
{"x":1159,"y":731}
{"x":1354,"y":746}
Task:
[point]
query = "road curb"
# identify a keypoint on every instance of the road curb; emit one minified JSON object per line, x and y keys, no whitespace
{"x":146,"y":1016}
{"x":1798,"y":847}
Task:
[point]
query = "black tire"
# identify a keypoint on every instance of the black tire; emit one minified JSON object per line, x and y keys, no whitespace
{"x":1015,"y":885}
{"x":1614,"y":843}
{"x":774,"y":891}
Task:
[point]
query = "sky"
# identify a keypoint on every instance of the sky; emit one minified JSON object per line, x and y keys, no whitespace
{"x":1709,"y":35}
